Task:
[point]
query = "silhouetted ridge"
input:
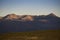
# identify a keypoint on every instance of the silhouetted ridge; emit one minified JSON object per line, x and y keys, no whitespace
{"x":27,"y":17}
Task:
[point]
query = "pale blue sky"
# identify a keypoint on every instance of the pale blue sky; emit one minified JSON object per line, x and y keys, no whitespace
{"x":29,"y":7}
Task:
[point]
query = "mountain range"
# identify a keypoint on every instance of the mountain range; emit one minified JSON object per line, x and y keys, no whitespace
{"x":19,"y":23}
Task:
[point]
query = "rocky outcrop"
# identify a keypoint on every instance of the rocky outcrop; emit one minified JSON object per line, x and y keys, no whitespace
{"x":28,"y":18}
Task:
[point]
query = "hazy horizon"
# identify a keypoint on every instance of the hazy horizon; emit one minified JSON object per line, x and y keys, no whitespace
{"x":29,"y":7}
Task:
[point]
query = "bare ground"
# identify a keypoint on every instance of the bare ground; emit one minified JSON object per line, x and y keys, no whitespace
{"x":33,"y":35}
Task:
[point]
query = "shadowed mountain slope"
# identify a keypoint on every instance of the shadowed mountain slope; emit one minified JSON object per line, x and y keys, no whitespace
{"x":19,"y":23}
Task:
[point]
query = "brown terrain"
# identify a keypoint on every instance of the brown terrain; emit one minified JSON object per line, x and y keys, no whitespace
{"x":33,"y":35}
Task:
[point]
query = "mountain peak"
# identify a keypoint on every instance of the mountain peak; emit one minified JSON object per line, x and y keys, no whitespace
{"x":52,"y":14}
{"x":11,"y":16}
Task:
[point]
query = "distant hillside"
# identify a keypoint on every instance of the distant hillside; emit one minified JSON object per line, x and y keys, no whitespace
{"x":28,"y":17}
{"x":18,"y":23}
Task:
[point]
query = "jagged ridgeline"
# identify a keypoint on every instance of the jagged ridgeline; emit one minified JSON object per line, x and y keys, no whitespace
{"x":18,"y":23}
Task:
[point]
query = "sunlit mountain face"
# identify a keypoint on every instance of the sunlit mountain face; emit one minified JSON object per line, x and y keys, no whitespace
{"x":20,"y":23}
{"x":27,"y":17}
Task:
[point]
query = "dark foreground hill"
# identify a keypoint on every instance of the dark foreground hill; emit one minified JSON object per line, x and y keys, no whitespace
{"x":18,"y":26}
